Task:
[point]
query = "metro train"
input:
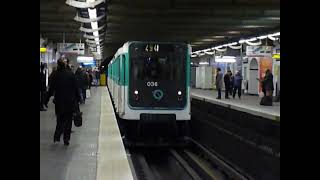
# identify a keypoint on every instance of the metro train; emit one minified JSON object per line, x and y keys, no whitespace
{"x":149,"y":83}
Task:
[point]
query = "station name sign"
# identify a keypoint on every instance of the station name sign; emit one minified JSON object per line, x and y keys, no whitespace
{"x":71,"y":48}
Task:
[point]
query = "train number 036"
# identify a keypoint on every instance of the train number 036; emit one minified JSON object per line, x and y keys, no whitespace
{"x":152,"y":84}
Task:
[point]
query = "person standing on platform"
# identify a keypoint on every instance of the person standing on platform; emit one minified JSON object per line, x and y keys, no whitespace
{"x":231,"y":83}
{"x":43,"y":87}
{"x":90,"y":78}
{"x":267,"y":88}
{"x":98,"y":77}
{"x":219,"y":78}
{"x":227,"y":84}
{"x":80,"y":83}
{"x":68,"y":65}
{"x":237,"y":85}
{"x":65,"y":91}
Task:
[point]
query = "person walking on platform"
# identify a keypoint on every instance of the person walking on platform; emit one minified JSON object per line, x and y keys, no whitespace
{"x":80,"y":83}
{"x":227,"y":84}
{"x":267,"y":87}
{"x":43,"y":88}
{"x":237,"y":85}
{"x":65,"y":91}
{"x":219,"y":78}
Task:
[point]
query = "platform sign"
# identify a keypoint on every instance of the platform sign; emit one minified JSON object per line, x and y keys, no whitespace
{"x":258,"y":51}
{"x":71,"y":48}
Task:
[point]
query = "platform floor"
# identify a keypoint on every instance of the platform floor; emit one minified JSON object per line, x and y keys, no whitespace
{"x":88,"y":155}
{"x":247,"y":103}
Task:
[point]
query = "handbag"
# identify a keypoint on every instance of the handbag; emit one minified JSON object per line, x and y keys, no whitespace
{"x":77,"y":116}
{"x":77,"y":119}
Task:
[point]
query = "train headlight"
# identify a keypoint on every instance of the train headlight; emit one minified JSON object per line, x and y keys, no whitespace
{"x":179,"y":93}
{"x":136,"y":92}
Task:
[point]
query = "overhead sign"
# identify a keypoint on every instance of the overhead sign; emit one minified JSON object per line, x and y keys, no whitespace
{"x":71,"y":48}
{"x":258,"y":51}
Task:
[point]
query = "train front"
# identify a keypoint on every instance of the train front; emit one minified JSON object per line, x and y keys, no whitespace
{"x":159,"y":84}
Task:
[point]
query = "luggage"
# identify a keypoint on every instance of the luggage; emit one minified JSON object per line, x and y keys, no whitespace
{"x":266,"y":101}
{"x":88,"y":94}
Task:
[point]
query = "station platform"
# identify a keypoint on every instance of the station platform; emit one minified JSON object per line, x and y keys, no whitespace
{"x":247,"y":103}
{"x":96,"y":149}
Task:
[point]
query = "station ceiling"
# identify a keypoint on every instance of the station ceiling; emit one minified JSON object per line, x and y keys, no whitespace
{"x":202,"y":23}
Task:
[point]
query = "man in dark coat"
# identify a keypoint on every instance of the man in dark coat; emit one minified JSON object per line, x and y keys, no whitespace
{"x":237,"y":85}
{"x":227,"y":84}
{"x":219,"y":78}
{"x":80,"y":83}
{"x":65,"y":91}
{"x":43,"y":87}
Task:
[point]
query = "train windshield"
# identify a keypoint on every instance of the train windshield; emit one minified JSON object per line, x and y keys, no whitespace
{"x":154,"y":62}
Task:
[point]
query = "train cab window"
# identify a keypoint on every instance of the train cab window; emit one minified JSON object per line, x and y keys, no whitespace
{"x":160,"y":62}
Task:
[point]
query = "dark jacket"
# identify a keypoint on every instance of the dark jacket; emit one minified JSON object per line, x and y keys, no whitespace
{"x":42,"y":81}
{"x":226,"y":80}
{"x":51,"y":77}
{"x":65,"y":91}
{"x":219,"y":77}
{"x":267,"y":83}
{"x":81,"y":80}
{"x":237,"y":80}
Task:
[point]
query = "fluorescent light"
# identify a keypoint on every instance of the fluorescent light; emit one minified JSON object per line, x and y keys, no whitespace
{"x":231,"y":44}
{"x":276,"y":34}
{"x":229,"y":57}
{"x":95,"y":33}
{"x":262,"y":37}
{"x":92,"y":13}
{"x":230,"y":60}
{"x":203,"y":63}
{"x":252,"y":39}
{"x":94,"y":25}
{"x":272,"y":38}
{"x":241,"y":41}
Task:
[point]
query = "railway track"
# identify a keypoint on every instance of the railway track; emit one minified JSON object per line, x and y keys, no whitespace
{"x":192,"y":163}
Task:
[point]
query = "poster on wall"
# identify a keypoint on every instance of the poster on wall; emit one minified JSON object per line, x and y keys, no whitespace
{"x":265,"y":63}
